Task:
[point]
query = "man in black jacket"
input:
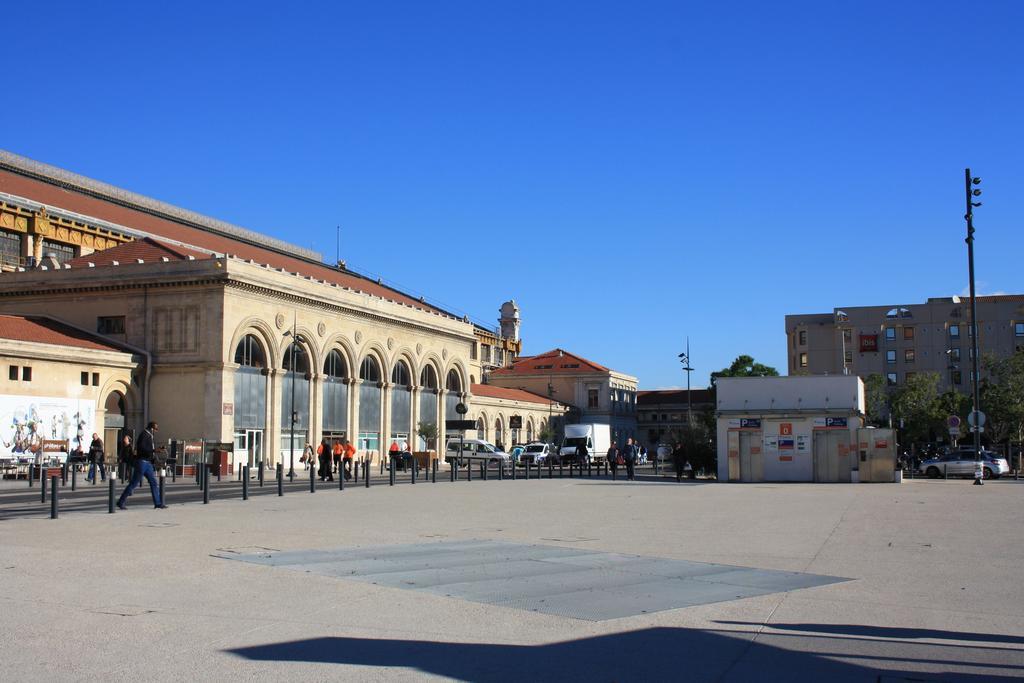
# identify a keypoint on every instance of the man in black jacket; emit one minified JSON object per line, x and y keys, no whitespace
{"x":96,"y":459}
{"x":144,"y":448}
{"x":629,"y":455}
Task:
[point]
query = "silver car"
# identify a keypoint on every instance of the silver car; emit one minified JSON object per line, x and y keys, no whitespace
{"x":960,"y":463}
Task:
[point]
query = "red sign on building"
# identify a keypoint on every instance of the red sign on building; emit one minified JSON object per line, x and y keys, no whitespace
{"x":868,"y":343}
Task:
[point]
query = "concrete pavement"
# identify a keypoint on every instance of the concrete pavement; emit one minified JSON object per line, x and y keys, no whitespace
{"x":142,"y":594}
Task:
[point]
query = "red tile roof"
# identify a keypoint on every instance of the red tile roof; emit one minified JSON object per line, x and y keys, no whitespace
{"x":70,"y":199}
{"x":556,"y":361}
{"x":42,"y":330}
{"x":147,"y":249}
{"x":491,"y":391}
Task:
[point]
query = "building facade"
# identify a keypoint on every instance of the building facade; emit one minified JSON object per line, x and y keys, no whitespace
{"x":898,"y":341}
{"x":664,"y":412}
{"x":509,"y":417}
{"x":245,"y":338}
{"x":592,"y":392}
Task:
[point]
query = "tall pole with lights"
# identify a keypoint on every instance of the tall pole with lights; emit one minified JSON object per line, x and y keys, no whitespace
{"x":970,"y":193}
{"x":684,"y":358}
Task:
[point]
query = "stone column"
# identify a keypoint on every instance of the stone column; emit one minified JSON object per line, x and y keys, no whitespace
{"x":316,"y":412}
{"x":385,"y":415}
{"x":353,"y":417}
{"x":272,"y":435}
{"x":414,"y":416}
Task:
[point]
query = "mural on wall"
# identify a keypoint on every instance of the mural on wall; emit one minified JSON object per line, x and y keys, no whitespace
{"x":26,"y":421}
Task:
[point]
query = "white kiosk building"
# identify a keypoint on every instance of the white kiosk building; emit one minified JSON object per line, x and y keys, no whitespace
{"x":799,"y":428}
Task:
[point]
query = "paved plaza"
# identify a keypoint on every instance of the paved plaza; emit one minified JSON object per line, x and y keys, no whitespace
{"x":572,"y":579}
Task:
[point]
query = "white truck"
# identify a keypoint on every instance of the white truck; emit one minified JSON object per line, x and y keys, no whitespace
{"x":596,"y":437}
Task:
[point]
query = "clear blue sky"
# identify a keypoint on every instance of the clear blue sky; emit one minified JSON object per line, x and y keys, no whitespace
{"x":631,"y":173}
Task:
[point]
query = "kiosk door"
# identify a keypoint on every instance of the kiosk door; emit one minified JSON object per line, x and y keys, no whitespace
{"x":751,"y":460}
{"x":831,"y":462}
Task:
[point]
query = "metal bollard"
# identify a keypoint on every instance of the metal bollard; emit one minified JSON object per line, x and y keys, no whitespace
{"x":259,"y":472}
{"x":280,"y":479}
{"x":433,"y":471}
{"x":42,"y":490}
{"x":412,"y":473}
{"x":74,"y":478}
{"x":452,"y":470}
{"x":469,"y":471}
{"x":110,"y":496}
{"x":945,"y":471}
{"x":501,"y":471}
{"x":54,"y":505}
{"x":366,"y":474}
{"x":64,"y":474}
{"x":162,"y":501}
{"x":391,"y":472}
{"x":206,"y":486}
{"x":31,"y":474}
{"x":590,"y":468}
{"x":312,"y":480}
{"x":561,"y":469}
{"x":244,"y":471}
{"x":485,"y":467}
{"x":382,"y":466}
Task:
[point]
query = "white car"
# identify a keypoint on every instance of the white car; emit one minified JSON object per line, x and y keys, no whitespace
{"x":475,"y":450}
{"x":535,"y":453}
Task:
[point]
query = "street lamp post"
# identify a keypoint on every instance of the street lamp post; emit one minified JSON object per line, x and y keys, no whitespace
{"x":971,"y":193}
{"x":296,"y":338}
{"x":684,"y":358}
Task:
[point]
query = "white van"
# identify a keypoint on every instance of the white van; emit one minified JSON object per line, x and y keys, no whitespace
{"x":475,"y":450}
{"x":596,"y":437}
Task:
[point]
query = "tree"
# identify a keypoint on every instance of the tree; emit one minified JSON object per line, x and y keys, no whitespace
{"x":698,"y":443}
{"x":745,"y":366}
{"x":917,"y":403}
{"x":428,"y":432}
{"x":1002,"y":397}
{"x":876,"y":400}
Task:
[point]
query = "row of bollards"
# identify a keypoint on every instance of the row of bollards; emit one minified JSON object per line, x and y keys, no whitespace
{"x":204,"y":474}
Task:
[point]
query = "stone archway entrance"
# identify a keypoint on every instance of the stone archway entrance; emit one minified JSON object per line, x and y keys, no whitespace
{"x":114,"y":425}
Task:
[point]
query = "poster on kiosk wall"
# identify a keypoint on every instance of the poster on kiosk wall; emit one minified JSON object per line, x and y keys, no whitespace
{"x":26,"y":421}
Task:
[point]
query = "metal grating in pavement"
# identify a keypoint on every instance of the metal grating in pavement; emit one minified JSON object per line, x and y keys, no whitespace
{"x":569,"y":582}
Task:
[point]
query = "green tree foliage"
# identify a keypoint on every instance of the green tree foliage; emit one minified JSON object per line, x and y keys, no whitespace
{"x":428,"y":431}
{"x":745,"y":366}
{"x":917,"y":403}
{"x":699,"y":444}
{"x":1002,"y":397}
{"x":877,"y":400}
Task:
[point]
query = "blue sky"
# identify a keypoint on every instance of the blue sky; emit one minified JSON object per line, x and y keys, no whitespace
{"x":631,"y":173}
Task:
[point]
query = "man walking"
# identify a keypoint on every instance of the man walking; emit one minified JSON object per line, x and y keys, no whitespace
{"x":629,"y":455}
{"x":144,"y":449}
{"x":96,"y":459}
{"x":613,"y":457}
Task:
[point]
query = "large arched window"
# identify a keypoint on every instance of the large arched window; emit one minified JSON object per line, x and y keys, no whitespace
{"x":401,"y":402}
{"x":369,"y":405}
{"x":428,"y":399}
{"x":481,"y":429}
{"x":250,"y":408}
{"x":294,"y":401}
{"x":335,"y":392}
{"x":499,"y":435}
{"x":453,"y":383}
{"x":249,"y":352}
{"x":529,"y":431}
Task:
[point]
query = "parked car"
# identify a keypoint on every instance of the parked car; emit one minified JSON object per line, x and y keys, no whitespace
{"x":535,"y":453}
{"x":960,"y":463}
{"x":475,"y":450}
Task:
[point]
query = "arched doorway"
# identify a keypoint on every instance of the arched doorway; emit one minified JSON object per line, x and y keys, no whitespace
{"x":250,"y":407}
{"x":499,"y":433}
{"x":335,"y":397}
{"x":114,"y":426}
{"x":453,"y":385}
{"x":529,"y":431}
{"x":294,"y":404}
{"x":428,"y":401}
{"x":369,"y":405}
{"x":401,"y":403}
{"x":481,"y":429}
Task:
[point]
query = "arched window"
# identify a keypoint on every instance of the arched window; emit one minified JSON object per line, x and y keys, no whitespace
{"x":369,"y":405}
{"x":295,"y":359}
{"x":401,"y":403}
{"x":428,"y":378}
{"x":428,"y":399}
{"x":499,"y":435}
{"x":250,"y":397}
{"x":249,"y":352}
{"x":334,"y":365}
{"x":454,"y":382}
{"x":335,"y":395}
{"x":529,"y":431}
{"x":481,"y":428}
{"x":400,"y":375}
{"x":369,"y":371}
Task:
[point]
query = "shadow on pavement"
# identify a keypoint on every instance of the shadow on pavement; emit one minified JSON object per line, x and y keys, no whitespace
{"x":887,"y":632}
{"x":646,"y":655}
